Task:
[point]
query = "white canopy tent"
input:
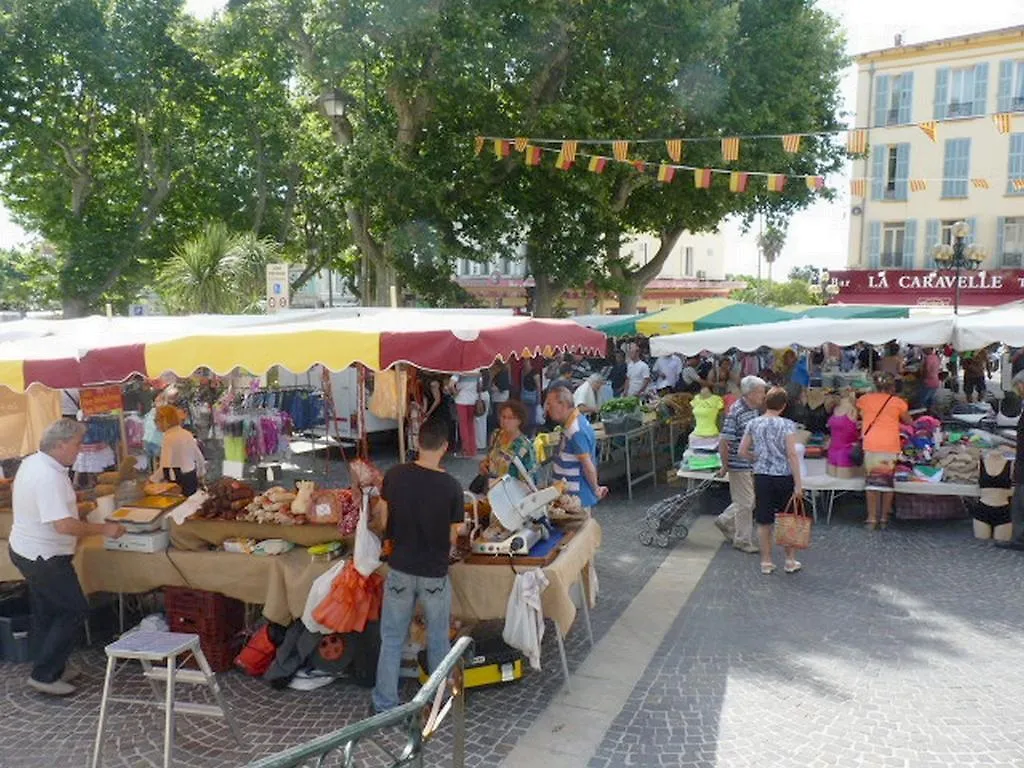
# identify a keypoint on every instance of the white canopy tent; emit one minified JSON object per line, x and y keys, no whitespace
{"x":1001,"y":325}
{"x":809,"y":332}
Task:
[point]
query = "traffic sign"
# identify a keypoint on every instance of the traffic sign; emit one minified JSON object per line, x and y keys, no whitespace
{"x":278,"y":289}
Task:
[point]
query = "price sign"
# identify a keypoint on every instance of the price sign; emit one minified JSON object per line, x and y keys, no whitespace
{"x":99,"y":400}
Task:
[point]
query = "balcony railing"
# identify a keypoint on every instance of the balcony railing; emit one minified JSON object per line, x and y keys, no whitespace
{"x":1017,"y":104}
{"x":1013,"y":259}
{"x":893,"y":116}
{"x":891,"y":260}
{"x":959,"y":109}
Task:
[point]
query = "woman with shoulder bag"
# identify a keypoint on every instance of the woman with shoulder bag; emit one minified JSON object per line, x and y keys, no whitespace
{"x":770,"y":442}
{"x":881,"y":414}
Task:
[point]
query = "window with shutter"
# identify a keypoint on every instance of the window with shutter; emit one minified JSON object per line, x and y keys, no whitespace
{"x":874,"y":244}
{"x":956,"y":167}
{"x":941,"y":93}
{"x":932,"y":238}
{"x":1017,"y":94}
{"x":960,"y":101}
{"x":909,"y":244}
{"x":878,"y":157}
{"x":902,"y":171}
{"x":1004,"y":87}
{"x":1016,"y":164}
{"x":906,"y":103}
{"x":893,"y":244}
{"x":1013,"y":241}
{"x":882,"y":85}
{"x":980,"y":89}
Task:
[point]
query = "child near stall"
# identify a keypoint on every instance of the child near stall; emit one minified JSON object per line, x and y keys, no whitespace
{"x":844,"y":431}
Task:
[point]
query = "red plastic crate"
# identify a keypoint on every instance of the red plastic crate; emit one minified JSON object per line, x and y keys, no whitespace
{"x":220,"y":654}
{"x":210,"y":615}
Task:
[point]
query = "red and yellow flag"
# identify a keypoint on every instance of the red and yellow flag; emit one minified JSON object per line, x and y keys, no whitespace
{"x":815,"y":183}
{"x":776,"y":182}
{"x":979,"y":183}
{"x":1018,"y":185}
{"x":502,"y":148}
{"x":569,"y":150}
{"x":857,"y":141}
{"x":522,"y":143}
{"x":1003,"y":121}
{"x":702,"y":178}
{"x":730,"y":149}
{"x":533,"y":154}
{"x":640,"y":166}
{"x":666,"y":173}
{"x":930,"y":128}
{"x":597,"y":164}
{"x":563,"y":163}
{"x":675,"y":149}
{"x":478,"y":145}
{"x":858,"y":187}
{"x":620,"y":150}
{"x":918,"y":185}
{"x":791,"y":143}
{"x":738,"y":181}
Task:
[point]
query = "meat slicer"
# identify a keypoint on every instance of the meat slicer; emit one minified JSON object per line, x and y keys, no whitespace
{"x":522,"y":510}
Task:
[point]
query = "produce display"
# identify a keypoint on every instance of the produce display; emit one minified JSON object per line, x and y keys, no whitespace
{"x":621,"y":406}
{"x":227,"y":499}
{"x":235,"y":500}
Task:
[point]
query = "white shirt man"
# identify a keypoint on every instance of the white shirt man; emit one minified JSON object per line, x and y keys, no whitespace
{"x":587,"y":397}
{"x":667,"y":370}
{"x":638,"y":378}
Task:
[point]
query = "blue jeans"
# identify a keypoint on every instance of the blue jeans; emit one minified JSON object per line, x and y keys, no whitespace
{"x":928,"y":397}
{"x":401,"y":592}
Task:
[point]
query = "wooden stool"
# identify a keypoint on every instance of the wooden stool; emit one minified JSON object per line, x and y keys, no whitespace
{"x":165,"y":647}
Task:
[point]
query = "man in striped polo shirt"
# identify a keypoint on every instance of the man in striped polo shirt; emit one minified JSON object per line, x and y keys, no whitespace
{"x":737,"y":521}
{"x":576,"y":459}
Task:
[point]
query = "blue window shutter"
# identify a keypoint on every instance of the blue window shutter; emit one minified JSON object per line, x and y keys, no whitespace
{"x":1016,"y":169}
{"x":1005,"y":90}
{"x":878,"y":153}
{"x":1000,"y":239}
{"x":965,"y":166}
{"x":972,"y":225}
{"x":980,"y":88}
{"x":881,"y":98}
{"x":933,"y":229}
{"x":948,"y":166}
{"x":902,"y":170}
{"x":874,"y":244}
{"x":909,"y":243}
{"x":906,"y":97}
{"x":941,"y":92}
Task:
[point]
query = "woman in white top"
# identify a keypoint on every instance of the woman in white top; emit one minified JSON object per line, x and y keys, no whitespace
{"x":181,"y":461}
{"x":466,"y":389}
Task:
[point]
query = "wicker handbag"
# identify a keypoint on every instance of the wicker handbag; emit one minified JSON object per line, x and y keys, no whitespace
{"x":793,"y":525}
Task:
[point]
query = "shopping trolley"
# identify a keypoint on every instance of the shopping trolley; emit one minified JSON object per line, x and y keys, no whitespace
{"x":670,"y":519}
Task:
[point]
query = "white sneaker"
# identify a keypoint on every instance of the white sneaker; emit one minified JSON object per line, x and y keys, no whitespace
{"x":56,"y":688}
{"x":726,"y":529}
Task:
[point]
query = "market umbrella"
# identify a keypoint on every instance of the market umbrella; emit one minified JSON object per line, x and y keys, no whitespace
{"x":1001,"y":325}
{"x":705,"y":314}
{"x":610,"y":325}
{"x":808,"y":332}
{"x":848,"y":311}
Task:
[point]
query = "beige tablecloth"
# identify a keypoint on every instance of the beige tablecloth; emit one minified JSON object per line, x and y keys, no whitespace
{"x":281,"y":583}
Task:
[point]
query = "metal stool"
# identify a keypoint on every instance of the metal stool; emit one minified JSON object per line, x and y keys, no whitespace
{"x":166,"y":647}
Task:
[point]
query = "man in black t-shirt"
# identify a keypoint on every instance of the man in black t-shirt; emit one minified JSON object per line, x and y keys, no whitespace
{"x":421,"y":511}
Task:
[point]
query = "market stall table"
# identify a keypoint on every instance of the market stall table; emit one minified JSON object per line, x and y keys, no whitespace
{"x":634,"y":438}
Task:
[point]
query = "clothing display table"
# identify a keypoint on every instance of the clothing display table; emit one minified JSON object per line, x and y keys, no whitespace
{"x":627,"y":448}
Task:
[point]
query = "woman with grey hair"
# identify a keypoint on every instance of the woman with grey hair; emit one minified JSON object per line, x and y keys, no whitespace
{"x":43,"y":537}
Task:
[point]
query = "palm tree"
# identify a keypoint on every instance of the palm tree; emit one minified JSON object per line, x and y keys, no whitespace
{"x":770,"y":242}
{"x":217,"y":271}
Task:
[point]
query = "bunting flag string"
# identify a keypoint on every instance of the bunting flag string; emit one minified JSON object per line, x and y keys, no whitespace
{"x":533,"y":155}
{"x":979,"y":183}
{"x":569,"y":150}
{"x":666,"y":173}
{"x":521,"y":143}
{"x":502,"y":148}
{"x":776,"y":182}
{"x":918,"y":185}
{"x":858,"y":187}
{"x":563,"y":163}
{"x":674,"y":147}
{"x":478,"y":145}
{"x":730,"y":149}
{"x":1018,"y":185}
{"x":640,"y":166}
{"x":738,"y":181}
{"x":791,"y":143}
{"x":702,"y":178}
{"x":815,"y":183}
{"x":597,"y":164}
{"x":620,"y":150}
{"x":930,"y":128}
{"x":857,"y":142}
{"x":1003,"y":121}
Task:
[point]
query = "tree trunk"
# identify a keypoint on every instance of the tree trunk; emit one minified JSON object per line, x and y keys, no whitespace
{"x":636,"y":280}
{"x":74,"y":306}
{"x":545,"y":295}
{"x":628,"y":303}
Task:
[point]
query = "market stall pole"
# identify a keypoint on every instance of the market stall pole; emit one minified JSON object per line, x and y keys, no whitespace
{"x":402,"y":395}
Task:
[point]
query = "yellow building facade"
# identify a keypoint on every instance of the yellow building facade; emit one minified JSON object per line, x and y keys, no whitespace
{"x":915,"y":188}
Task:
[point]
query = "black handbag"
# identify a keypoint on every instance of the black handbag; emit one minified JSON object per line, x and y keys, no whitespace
{"x":857,"y":449}
{"x":479,"y":485}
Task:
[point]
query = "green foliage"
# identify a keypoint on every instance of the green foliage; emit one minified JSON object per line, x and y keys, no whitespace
{"x":217,"y":271}
{"x":30,"y":280}
{"x":775,"y":294}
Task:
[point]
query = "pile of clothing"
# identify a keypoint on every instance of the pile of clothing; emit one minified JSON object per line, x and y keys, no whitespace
{"x":959,"y":463}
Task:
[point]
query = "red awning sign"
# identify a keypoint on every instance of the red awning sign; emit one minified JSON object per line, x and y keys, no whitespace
{"x":987,"y":288}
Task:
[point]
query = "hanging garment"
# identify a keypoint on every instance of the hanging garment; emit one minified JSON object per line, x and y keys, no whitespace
{"x":384,"y":401}
{"x":524,"y":615}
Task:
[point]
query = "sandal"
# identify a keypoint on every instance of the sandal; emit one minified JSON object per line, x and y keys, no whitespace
{"x":792,"y":566}
{"x":871,"y":525}
{"x":767,"y":568}
{"x":883,"y":525}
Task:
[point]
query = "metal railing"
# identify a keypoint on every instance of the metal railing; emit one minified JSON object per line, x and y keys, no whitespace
{"x":409,"y":715}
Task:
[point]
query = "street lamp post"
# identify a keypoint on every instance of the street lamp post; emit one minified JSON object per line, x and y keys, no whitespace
{"x":958,"y":256}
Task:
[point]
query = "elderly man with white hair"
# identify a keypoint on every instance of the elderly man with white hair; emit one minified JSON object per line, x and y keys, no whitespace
{"x":42,"y":542}
{"x":1017,"y":507}
{"x":737,"y":521}
{"x":588,"y":394}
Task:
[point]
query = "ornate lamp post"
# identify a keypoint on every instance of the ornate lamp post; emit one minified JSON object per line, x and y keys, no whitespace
{"x":957,"y":257}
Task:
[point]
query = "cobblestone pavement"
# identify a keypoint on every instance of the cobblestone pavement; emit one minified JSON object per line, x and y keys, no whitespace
{"x":900,"y":648}
{"x":37,"y":731}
